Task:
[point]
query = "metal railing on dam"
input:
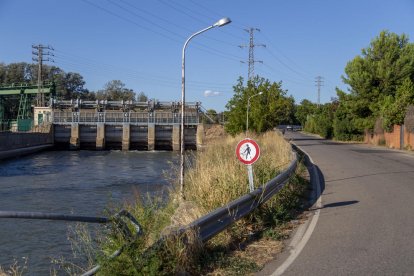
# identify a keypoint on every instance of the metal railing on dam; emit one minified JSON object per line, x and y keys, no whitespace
{"x":130,"y":117}
{"x":125,"y":125}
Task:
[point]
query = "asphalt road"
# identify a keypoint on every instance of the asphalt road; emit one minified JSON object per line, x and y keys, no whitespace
{"x":366,"y":224}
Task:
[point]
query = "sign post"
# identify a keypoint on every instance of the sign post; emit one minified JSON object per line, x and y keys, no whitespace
{"x":248,"y":152}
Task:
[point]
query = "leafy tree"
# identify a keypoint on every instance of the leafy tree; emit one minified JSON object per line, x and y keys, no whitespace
{"x":141,"y":97}
{"x":321,"y":121}
{"x":305,"y":109}
{"x":393,"y":108}
{"x":374,"y":78}
{"x":266,"y":111}
{"x":68,"y":85}
{"x":16,"y":73}
{"x":115,"y":91}
{"x":211,"y":113}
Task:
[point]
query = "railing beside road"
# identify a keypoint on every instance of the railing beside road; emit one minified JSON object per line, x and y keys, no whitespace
{"x":213,"y":223}
{"x":207,"y":226}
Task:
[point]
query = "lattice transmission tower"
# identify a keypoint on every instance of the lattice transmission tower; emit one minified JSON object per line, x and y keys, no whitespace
{"x":251,"y":61}
{"x":319,"y":84}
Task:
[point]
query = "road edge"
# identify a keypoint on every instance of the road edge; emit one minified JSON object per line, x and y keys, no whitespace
{"x":304,"y":231}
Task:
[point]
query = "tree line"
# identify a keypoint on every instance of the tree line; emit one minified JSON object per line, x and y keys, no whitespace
{"x":380,"y":89}
{"x":69,"y":85}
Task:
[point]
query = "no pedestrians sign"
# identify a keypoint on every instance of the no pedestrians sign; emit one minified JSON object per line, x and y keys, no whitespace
{"x":247,"y":151}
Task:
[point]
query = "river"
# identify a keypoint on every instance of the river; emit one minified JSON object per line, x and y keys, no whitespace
{"x":69,"y":182}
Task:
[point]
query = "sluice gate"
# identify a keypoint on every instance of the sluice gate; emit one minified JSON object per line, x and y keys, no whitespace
{"x":139,"y":126}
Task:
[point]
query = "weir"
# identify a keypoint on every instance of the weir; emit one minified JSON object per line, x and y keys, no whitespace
{"x":125,"y":125}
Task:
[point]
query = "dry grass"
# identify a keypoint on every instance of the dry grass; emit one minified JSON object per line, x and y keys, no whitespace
{"x":219,"y":177}
{"x":15,"y":269}
{"x":216,"y":178}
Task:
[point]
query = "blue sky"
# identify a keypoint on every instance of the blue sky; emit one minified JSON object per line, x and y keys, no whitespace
{"x":140,"y":42}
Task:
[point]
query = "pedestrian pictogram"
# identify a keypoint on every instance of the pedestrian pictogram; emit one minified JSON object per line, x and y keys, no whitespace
{"x":247,"y":151}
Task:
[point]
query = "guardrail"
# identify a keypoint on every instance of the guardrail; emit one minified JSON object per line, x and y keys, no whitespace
{"x":207,"y":226}
{"x":213,"y":223}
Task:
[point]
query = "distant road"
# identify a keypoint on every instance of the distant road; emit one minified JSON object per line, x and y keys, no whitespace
{"x":366,"y":226}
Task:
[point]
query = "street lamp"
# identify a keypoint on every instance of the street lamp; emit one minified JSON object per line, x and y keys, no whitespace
{"x":247,"y":115}
{"x":220,"y":23}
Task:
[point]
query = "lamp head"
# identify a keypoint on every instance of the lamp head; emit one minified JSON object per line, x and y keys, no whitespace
{"x":222,"y":22}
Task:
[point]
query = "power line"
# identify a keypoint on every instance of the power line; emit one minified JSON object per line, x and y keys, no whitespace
{"x":251,"y":46}
{"x":131,"y":74}
{"x":290,"y":79}
{"x":300,"y":72}
{"x":183,"y":9}
{"x":163,"y":35}
{"x":319,"y":83}
{"x":234,"y":25}
{"x":84,"y":61}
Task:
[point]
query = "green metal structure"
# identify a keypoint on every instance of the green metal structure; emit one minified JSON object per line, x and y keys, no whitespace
{"x":24,"y":94}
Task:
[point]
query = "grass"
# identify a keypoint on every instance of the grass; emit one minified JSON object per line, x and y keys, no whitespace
{"x":218,"y":177}
{"x":266,"y":228}
{"x":214,"y":179}
{"x":15,"y":269}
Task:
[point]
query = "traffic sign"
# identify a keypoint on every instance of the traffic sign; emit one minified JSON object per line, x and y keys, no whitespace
{"x":248,"y":151}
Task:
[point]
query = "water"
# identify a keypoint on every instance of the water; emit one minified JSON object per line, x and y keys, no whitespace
{"x":65,"y":182}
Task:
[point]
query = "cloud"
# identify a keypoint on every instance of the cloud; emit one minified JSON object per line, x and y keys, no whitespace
{"x":210,"y":93}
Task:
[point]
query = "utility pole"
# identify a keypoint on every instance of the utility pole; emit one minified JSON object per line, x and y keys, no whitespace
{"x":38,"y":54}
{"x":251,"y":46}
{"x":319,"y":83}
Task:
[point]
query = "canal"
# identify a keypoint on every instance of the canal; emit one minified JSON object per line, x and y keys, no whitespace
{"x":70,"y":182}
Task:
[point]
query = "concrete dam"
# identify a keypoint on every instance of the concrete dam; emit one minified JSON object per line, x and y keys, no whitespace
{"x":123,"y":125}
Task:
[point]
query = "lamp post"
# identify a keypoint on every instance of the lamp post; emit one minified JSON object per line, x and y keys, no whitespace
{"x":247,"y":115}
{"x":220,"y":23}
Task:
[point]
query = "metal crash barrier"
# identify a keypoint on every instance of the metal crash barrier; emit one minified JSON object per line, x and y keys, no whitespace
{"x":207,"y":226}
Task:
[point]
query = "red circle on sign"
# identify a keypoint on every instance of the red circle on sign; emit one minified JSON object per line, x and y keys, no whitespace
{"x":243,"y":151}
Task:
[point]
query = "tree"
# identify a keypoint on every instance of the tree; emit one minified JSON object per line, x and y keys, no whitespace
{"x":374,"y":78}
{"x":115,"y":91}
{"x":267,"y":110}
{"x":141,"y":97}
{"x":321,"y":120}
{"x":17,"y":73}
{"x":393,"y":108}
{"x":303,"y":110}
{"x":212,"y":115}
{"x":68,"y":85}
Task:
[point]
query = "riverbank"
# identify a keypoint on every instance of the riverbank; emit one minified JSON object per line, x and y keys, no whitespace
{"x":85,"y":183}
{"x":216,"y":178}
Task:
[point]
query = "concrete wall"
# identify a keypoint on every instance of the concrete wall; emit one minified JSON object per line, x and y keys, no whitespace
{"x":16,"y":144}
{"x":13,"y":140}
